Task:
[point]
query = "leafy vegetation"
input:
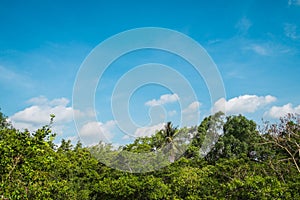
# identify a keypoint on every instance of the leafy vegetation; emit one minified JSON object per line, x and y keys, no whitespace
{"x":228,"y":158}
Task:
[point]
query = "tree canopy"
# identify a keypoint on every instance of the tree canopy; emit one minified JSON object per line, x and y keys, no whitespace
{"x":227,"y":158}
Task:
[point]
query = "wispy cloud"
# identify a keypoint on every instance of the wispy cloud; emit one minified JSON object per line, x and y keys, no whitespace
{"x":164,"y":99}
{"x":264,"y":48}
{"x":242,"y":104}
{"x":172,"y":113}
{"x":290,"y":31}
{"x":294,"y":2}
{"x":235,"y":74}
{"x":6,"y":74}
{"x":243,"y":25}
{"x":280,"y":111}
{"x":259,"y":49}
{"x":11,"y":77}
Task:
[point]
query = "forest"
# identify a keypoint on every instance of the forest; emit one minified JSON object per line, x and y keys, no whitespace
{"x":241,"y":161}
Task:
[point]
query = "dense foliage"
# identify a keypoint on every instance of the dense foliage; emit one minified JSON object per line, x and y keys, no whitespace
{"x":228,"y":158}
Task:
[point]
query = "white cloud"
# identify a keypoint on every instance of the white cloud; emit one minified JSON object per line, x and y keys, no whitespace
{"x":42,"y":108}
{"x":148,"y":130}
{"x":242,"y":104}
{"x":38,"y":100}
{"x":172,"y":113}
{"x":294,"y":2}
{"x":166,"y":98}
{"x":280,"y":111}
{"x":192,"y":108}
{"x":260,"y":50}
{"x":38,"y":114}
{"x":290,"y":31}
{"x":41,"y":100}
{"x":264,"y":48}
{"x":243,"y":25}
{"x":93,"y":132}
{"x":11,"y":77}
{"x":267,"y":48}
{"x":191,"y":114}
{"x":6,"y":74}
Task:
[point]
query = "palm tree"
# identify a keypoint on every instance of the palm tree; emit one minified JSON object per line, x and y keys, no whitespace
{"x":170,"y":133}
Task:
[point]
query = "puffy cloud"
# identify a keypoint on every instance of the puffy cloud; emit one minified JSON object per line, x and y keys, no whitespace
{"x":242,"y":104}
{"x":38,"y":114}
{"x":93,"y":132}
{"x":191,"y":114}
{"x":148,"y":130}
{"x":192,"y":108}
{"x":166,"y":98}
{"x":280,"y":111}
{"x":41,"y":100}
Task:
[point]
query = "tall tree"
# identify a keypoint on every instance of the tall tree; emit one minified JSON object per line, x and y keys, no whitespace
{"x":284,"y":137}
{"x":239,"y":139}
{"x":4,"y":123}
{"x":170,"y":133}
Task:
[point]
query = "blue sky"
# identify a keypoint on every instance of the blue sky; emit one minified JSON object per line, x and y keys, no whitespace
{"x":254,"y":44}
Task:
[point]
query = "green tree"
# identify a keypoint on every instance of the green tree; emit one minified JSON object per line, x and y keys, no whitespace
{"x":170,"y":133}
{"x":4,"y":121}
{"x":204,"y":137}
{"x":240,"y":138}
{"x":285,"y":138}
{"x":242,"y":163}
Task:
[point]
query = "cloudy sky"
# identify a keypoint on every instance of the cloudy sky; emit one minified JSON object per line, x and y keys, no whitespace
{"x":254,"y":44}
